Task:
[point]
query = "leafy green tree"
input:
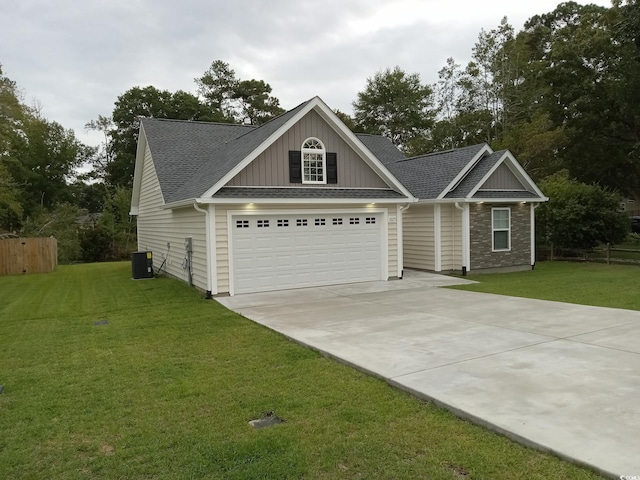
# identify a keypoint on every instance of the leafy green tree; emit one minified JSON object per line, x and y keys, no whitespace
{"x":60,"y":222}
{"x":103,"y":155}
{"x":217,"y":86}
{"x":10,"y":201}
{"x":122,"y":137}
{"x":43,"y":161}
{"x":397,"y":105}
{"x":579,"y":216}
{"x":95,"y":243}
{"x":235,"y":100}
{"x":348,"y":121}
{"x":256,"y":105}
{"x":537,"y":142}
{"x":12,"y":114}
{"x":90,"y":196}
{"x":582,"y":73}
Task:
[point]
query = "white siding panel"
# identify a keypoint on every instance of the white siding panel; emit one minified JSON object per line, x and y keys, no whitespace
{"x":418,"y":233}
{"x":451,"y":237}
{"x":163,"y":231}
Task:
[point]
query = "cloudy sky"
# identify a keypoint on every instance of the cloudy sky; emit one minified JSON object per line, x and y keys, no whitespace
{"x":75,"y":57}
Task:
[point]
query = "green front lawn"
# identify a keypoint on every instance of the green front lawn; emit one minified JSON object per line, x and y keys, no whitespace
{"x":574,"y":282}
{"x":165,"y":389}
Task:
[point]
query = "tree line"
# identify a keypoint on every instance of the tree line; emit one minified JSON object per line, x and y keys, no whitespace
{"x":563,"y":94}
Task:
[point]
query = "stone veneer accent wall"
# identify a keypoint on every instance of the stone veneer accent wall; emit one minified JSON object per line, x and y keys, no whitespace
{"x":480,"y":229}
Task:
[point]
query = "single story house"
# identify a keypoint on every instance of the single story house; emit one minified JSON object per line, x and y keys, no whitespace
{"x":302,"y":201}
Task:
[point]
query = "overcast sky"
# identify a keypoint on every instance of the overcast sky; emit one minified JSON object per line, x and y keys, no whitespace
{"x":75,"y":57}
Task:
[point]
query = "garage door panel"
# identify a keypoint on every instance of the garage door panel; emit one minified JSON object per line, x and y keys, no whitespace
{"x":272,"y":252}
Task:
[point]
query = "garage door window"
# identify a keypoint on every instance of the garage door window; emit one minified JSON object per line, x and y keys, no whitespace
{"x":263,"y":223}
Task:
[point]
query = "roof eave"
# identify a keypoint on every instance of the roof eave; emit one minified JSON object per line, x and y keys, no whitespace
{"x":484,"y":200}
{"x":467,"y":168}
{"x":298,"y":201}
{"x":137,"y":173}
{"x":524,"y":176}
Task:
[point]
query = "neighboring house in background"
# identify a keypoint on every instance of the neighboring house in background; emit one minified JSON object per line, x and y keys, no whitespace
{"x":302,"y":201}
{"x":296,"y":202}
{"x":475,"y":209}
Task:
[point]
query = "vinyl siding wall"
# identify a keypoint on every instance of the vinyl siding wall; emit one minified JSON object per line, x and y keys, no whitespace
{"x":418,"y":233}
{"x":221,"y":227}
{"x":271,"y":167}
{"x":451,"y":231}
{"x":158,"y":226}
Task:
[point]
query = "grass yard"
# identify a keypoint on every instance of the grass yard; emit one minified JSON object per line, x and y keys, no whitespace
{"x":165,"y":389}
{"x":574,"y":282}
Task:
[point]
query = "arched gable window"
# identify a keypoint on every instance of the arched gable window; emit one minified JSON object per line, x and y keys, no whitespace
{"x":314,"y":161}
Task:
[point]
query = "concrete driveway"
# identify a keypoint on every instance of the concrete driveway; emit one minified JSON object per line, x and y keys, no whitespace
{"x":557,"y":376}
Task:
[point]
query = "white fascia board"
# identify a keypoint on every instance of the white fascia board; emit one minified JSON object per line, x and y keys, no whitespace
{"x":506,"y":200}
{"x":354,"y":142}
{"x":516,"y":169}
{"x":484,"y":200}
{"x":183,"y":203}
{"x":137,"y":173}
{"x":463,"y":173}
{"x":299,"y":201}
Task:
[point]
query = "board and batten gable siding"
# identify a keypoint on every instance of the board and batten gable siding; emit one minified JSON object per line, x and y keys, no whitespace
{"x":418,"y":234}
{"x":451,"y":237}
{"x":271,"y":167}
{"x":158,"y":226}
{"x":502,"y":179}
{"x":222,"y":245}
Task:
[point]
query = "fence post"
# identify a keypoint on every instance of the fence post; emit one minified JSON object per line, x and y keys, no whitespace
{"x":608,"y":253}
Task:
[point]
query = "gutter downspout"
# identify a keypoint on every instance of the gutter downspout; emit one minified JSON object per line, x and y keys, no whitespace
{"x":207,"y":218}
{"x":465,"y":236}
{"x":533,"y":234}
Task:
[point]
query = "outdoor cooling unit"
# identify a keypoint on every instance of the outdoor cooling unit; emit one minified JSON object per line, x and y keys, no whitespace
{"x":141,"y":265}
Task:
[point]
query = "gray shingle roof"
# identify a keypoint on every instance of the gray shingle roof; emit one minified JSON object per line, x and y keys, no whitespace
{"x":426,"y":176}
{"x":476,"y":174}
{"x":191,"y":157}
{"x":355,"y":193}
{"x":180,"y":148}
{"x":381,"y":147}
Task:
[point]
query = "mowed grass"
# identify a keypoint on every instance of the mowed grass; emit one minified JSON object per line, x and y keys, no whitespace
{"x":583,"y":283}
{"x":166,"y":388}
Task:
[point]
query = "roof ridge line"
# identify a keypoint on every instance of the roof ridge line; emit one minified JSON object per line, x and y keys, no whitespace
{"x":177,"y":120}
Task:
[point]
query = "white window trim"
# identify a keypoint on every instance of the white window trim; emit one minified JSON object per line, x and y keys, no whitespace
{"x":494,"y":230}
{"x":316,"y":151}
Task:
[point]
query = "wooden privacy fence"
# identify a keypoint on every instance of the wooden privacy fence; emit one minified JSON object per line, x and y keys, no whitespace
{"x":28,"y":255}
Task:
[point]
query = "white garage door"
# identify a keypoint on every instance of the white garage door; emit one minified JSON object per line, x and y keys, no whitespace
{"x":276,"y":252}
